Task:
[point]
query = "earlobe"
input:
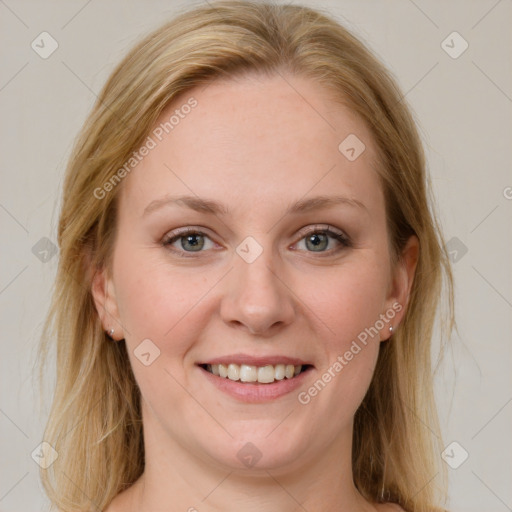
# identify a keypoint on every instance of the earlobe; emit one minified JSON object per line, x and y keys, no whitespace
{"x":103,"y":292}
{"x":402,"y":280}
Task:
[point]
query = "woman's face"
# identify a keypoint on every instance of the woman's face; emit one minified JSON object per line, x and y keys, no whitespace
{"x":257,"y":281}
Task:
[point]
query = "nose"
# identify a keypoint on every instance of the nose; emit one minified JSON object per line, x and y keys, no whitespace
{"x":257,"y":297}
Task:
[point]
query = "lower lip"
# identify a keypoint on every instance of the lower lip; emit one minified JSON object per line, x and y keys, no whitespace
{"x":256,"y":393}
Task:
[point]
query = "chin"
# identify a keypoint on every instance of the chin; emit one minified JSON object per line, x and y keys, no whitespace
{"x":264,"y":451}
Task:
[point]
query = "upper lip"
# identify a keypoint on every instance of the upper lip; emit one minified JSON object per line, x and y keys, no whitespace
{"x":255,"y":361}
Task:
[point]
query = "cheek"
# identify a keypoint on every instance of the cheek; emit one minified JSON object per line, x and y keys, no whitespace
{"x":158,"y":301}
{"x":349,"y":301}
{"x":166,"y":305}
{"x":349,"y":304}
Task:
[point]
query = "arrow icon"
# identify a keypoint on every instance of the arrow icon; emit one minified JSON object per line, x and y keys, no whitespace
{"x":351,"y":147}
{"x":249,"y":455}
{"x":249,"y":253}
{"x":456,"y":249}
{"x":147,"y":352}
{"x":454,"y":455}
{"x":44,"y":249}
{"x":44,"y":45}
{"x":451,"y":455}
{"x":44,"y":455}
{"x":454,"y":45}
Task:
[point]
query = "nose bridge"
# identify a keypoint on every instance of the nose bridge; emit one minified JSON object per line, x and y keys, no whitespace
{"x":257,"y":296}
{"x":258,"y":277}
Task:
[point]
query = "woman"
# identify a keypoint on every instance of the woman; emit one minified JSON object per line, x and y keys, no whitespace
{"x":249,"y":277}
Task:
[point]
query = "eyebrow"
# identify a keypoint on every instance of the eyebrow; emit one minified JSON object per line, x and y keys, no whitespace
{"x":213,"y":207}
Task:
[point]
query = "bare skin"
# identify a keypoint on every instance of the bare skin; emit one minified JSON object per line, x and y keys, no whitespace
{"x":257,"y":146}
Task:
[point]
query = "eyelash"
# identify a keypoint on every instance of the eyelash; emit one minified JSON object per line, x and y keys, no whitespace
{"x":338,"y":236}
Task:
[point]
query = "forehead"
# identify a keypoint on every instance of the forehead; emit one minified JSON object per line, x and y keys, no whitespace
{"x":255,"y":141}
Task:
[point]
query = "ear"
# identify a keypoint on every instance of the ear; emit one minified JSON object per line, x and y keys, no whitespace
{"x":103,"y":292}
{"x":400,"y":286}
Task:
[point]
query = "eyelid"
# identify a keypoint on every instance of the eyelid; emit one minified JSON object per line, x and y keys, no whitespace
{"x":184,"y":231}
{"x":326,"y":228}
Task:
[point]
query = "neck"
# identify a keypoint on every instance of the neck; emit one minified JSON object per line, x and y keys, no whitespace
{"x":177,"y":479}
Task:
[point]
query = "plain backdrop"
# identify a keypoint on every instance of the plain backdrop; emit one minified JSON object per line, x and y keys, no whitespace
{"x":463,"y":103}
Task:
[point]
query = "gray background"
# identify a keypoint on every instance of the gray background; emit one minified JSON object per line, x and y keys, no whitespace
{"x":463,"y":106}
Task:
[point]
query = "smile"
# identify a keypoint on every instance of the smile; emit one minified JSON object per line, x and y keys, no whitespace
{"x":255,"y":378}
{"x":264,"y":383}
{"x":249,"y":373}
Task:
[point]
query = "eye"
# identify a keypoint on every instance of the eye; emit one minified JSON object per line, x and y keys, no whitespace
{"x":318,"y":238}
{"x":188,"y":240}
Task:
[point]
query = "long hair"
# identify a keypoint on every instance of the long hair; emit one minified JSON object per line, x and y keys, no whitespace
{"x":95,"y":420}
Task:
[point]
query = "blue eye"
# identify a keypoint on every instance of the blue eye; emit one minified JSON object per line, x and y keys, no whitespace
{"x":318,"y":240}
{"x":191,"y":241}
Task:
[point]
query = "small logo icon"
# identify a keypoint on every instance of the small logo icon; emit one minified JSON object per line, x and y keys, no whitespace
{"x":249,"y":455}
{"x":249,"y":250}
{"x":146,"y":352}
{"x":456,"y":249}
{"x":454,"y":45}
{"x":44,"y":455}
{"x":352,"y":147}
{"x":44,"y":45}
{"x":44,"y":249}
{"x":454,"y":455}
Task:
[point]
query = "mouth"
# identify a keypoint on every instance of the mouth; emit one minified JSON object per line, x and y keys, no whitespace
{"x":256,"y":379}
{"x":254,"y":374}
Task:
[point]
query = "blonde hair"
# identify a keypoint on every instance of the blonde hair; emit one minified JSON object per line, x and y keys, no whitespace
{"x":95,"y":419}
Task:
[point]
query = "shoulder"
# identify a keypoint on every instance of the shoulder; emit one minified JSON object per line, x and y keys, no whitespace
{"x":394,"y":507}
{"x":388,"y":507}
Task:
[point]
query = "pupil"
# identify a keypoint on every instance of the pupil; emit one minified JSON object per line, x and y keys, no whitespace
{"x":317,"y":240}
{"x":192,"y":241}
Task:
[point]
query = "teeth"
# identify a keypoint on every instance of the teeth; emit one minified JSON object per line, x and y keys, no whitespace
{"x":233,"y":372}
{"x":247,"y":373}
{"x":280,"y":371}
{"x":223,"y":370}
{"x":266,"y":374}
